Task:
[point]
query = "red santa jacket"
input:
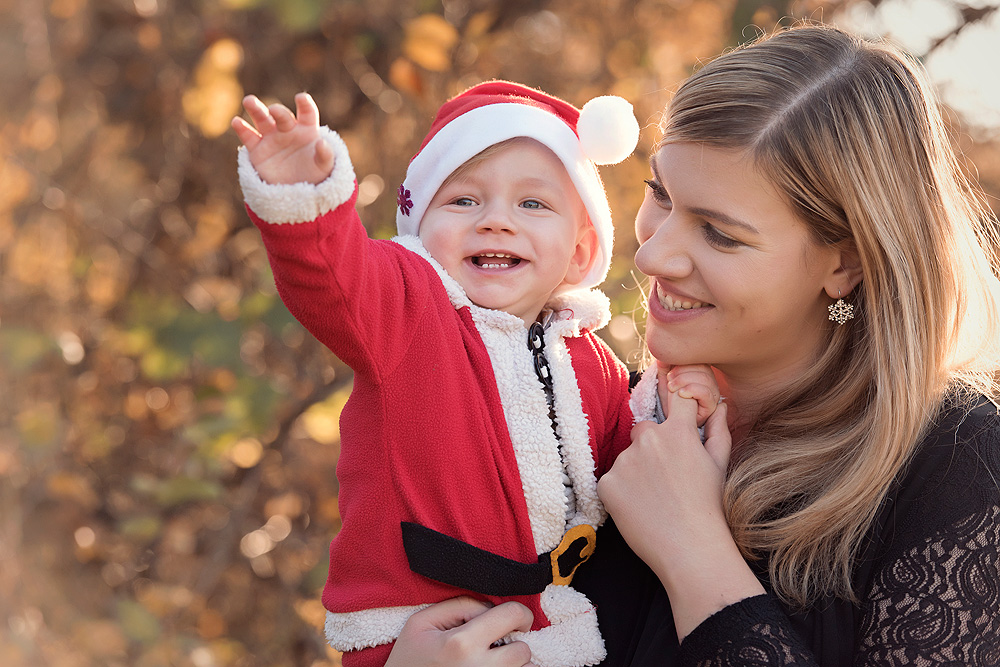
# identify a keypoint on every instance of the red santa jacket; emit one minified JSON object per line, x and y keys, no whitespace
{"x":447,"y":425}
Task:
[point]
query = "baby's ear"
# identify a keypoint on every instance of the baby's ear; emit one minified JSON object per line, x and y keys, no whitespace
{"x":583,"y":255}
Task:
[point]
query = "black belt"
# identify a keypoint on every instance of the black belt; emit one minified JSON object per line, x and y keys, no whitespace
{"x":451,"y":561}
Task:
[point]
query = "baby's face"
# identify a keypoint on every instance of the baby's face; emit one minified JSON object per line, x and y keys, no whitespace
{"x":511,"y":229}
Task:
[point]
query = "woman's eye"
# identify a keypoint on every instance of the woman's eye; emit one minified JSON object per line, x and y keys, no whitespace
{"x":658,"y":191}
{"x":717,"y":238}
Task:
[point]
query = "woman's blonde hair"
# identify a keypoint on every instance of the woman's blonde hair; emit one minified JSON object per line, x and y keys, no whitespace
{"x":849,"y":131}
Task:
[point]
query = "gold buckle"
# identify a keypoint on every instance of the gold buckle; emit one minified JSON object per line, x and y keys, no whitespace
{"x":572,"y":535}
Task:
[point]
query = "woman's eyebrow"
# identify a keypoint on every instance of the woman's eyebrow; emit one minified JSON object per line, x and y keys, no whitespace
{"x":706,"y":212}
{"x":724,"y":219}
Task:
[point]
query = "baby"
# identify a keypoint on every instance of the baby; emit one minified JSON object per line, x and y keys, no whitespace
{"x":484,"y":406}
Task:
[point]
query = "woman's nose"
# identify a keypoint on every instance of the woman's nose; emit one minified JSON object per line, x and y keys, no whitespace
{"x":665,"y":253}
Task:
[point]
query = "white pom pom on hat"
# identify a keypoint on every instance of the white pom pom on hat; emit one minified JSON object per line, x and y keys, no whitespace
{"x":607,"y":129}
{"x":603,"y":132}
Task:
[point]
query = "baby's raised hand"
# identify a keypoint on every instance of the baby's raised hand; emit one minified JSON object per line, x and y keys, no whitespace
{"x":695,"y":381}
{"x":284,"y":147}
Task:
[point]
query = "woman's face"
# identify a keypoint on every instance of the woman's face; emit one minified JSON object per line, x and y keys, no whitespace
{"x":737,"y":280}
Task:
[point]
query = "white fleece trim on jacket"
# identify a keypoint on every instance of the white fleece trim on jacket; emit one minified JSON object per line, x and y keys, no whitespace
{"x":298,"y":202}
{"x":573,"y":639}
{"x":643,"y":398}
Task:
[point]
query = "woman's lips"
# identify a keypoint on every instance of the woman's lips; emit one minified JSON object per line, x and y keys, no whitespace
{"x":666,"y":303}
{"x":670,"y":302}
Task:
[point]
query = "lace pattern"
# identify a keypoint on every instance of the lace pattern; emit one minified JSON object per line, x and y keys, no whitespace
{"x":936,"y":604}
{"x":939,"y":603}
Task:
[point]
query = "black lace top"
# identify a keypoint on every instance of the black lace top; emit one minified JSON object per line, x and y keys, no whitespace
{"x":929,"y":579}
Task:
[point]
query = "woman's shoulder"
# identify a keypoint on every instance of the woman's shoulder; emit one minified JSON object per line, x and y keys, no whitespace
{"x":955,"y":472}
{"x":966,"y":430}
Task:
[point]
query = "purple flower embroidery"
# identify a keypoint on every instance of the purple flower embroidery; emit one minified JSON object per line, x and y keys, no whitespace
{"x":404,"y":201}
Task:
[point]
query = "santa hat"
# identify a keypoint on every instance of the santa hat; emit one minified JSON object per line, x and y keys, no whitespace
{"x":604,"y":131}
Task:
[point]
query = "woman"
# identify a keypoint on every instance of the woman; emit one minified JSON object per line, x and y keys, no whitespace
{"x":808,"y":232}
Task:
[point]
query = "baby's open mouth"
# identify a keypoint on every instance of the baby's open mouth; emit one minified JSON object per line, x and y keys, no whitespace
{"x":495,"y":260}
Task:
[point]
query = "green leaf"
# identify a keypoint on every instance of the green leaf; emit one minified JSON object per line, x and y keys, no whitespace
{"x":141,"y":528}
{"x":181,"y":490}
{"x":21,"y":348}
{"x":137,"y":622}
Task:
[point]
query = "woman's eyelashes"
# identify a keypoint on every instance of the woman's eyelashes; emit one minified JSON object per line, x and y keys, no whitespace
{"x":718,"y":238}
{"x":658,"y":191}
{"x":712,"y":234}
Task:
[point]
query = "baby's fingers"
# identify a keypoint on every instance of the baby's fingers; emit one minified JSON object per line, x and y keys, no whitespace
{"x":259,"y":114}
{"x":707,"y":398}
{"x":247,"y":135}
{"x":284,"y":119}
{"x":306,"y":109}
{"x":324,"y":156}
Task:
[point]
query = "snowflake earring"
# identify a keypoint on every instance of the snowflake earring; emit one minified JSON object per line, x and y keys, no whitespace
{"x":840,"y":310}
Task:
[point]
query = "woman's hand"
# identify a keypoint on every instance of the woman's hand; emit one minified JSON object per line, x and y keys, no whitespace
{"x":667,"y":486}
{"x":460,"y":633}
{"x":665,"y":494}
{"x":283,"y":147}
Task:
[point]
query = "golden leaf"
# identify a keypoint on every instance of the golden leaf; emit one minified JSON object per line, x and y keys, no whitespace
{"x":322,"y":420}
{"x":429,"y":41}
{"x":65,"y":485}
{"x":404,"y":76}
{"x":216,"y":95}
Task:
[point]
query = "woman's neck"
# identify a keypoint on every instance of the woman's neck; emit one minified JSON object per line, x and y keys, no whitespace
{"x":746,"y":394}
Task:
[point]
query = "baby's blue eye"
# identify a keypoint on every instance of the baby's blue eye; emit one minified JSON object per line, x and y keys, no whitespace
{"x":465,"y":201}
{"x":531,"y":203}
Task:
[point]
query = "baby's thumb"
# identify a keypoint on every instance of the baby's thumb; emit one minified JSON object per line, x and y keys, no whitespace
{"x":324,"y":156}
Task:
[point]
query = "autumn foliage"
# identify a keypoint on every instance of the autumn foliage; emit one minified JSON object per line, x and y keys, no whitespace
{"x":168,"y":432}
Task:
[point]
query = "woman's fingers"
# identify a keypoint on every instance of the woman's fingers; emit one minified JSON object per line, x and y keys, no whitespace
{"x":681,"y":409}
{"x":706,"y":397}
{"x":461,"y":632}
{"x":718,"y":439}
{"x":451,"y":613}
{"x":501,"y":621}
{"x":515,"y":654}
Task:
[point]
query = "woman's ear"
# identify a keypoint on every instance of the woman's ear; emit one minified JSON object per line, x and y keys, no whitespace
{"x":846,"y":276}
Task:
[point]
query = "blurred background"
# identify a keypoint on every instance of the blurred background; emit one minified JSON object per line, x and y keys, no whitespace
{"x":168,"y":433}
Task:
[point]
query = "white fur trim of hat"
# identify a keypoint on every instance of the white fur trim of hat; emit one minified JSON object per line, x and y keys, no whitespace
{"x":603,"y":132}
